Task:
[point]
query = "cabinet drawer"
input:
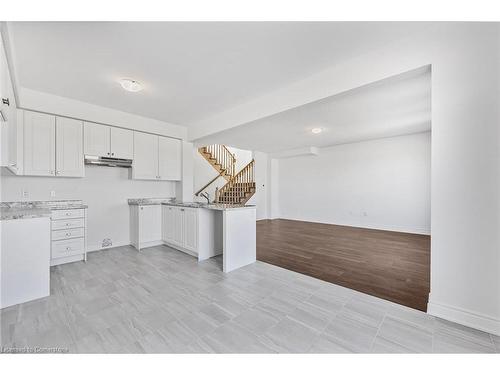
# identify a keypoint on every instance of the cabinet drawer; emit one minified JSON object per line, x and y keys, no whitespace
{"x":67,"y":214}
{"x":67,"y":233}
{"x":66,"y":248}
{"x":68,"y":224}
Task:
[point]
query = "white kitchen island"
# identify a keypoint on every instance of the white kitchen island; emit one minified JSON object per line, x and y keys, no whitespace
{"x":200,"y":230}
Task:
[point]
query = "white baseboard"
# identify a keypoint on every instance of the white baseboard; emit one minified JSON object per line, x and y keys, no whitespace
{"x":116,"y":244}
{"x":465,"y":317}
{"x":145,"y":245}
{"x":391,"y":228}
{"x":73,"y":258}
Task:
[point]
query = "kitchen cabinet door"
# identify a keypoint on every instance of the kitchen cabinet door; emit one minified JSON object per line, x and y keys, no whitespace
{"x":168,"y":223}
{"x":191,"y":229}
{"x":145,"y":165}
{"x":178,"y":233}
{"x":150,"y":223}
{"x":39,"y":144}
{"x":122,"y":143}
{"x":69,"y":147}
{"x":96,"y":139}
{"x":169,"y":159}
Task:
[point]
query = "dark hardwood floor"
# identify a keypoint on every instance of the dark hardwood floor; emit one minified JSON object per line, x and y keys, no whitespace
{"x":390,"y":265}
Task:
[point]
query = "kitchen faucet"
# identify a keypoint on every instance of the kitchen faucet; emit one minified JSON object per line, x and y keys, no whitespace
{"x":206,"y":196}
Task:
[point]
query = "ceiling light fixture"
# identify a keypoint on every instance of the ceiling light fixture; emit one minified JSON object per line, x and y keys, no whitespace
{"x":316,"y":130}
{"x":130,"y":85}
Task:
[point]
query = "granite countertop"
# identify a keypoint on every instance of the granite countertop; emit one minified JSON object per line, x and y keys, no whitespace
{"x":211,"y":206}
{"x":148,"y":201}
{"x":33,"y":209}
{"x":14,"y":213}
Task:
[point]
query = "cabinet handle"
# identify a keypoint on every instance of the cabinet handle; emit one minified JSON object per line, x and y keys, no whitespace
{"x":112,"y":154}
{"x":6,"y":101}
{"x":159,"y":177}
{"x":68,"y":234}
{"x":68,"y":248}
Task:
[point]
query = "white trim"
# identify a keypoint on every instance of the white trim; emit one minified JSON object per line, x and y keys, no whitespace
{"x":147,"y":244}
{"x":182,"y":249}
{"x":97,"y":248}
{"x":363,"y":225}
{"x":465,"y":317}
{"x":70,"y":259}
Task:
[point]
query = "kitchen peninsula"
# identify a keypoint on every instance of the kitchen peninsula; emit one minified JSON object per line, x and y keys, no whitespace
{"x":198,"y":229}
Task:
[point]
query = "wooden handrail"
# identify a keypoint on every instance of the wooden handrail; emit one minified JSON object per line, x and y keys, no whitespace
{"x":209,"y":183}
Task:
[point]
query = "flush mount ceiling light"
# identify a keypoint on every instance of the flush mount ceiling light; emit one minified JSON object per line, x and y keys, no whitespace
{"x":316,"y":130}
{"x":130,"y":85}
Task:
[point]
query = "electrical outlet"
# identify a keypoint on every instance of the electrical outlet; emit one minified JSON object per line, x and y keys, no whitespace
{"x":107,"y":242}
{"x":52,"y":193}
{"x":24,"y":193}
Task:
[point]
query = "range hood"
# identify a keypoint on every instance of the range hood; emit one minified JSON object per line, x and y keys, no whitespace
{"x":108,"y":162}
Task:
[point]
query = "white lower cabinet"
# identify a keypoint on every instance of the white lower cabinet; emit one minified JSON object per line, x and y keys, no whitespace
{"x":180,"y":228}
{"x":190,"y":229}
{"x":145,"y":226}
{"x":68,"y":236}
{"x":195,"y":231}
{"x":24,"y":269}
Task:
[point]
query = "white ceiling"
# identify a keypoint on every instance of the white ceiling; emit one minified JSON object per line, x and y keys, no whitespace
{"x":394,"y":106}
{"x":190,"y":70}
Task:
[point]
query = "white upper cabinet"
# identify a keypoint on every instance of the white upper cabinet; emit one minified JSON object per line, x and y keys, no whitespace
{"x":69,"y":147}
{"x":145,"y":165}
{"x":108,"y":141}
{"x":156,"y":157}
{"x":96,"y":139}
{"x":39,"y":144}
{"x":169,"y":159}
{"x":122,"y":143}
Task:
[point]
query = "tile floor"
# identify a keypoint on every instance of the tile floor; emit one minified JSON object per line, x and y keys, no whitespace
{"x":163,"y":301}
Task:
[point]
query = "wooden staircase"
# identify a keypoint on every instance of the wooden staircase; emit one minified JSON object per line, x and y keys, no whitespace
{"x":239,"y":187}
{"x":220,"y":158}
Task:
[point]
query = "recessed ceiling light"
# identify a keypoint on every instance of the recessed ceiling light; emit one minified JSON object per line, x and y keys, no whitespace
{"x":130,"y":85}
{"x":316,"y":130}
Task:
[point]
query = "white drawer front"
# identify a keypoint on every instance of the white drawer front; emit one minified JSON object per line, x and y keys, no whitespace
{"x":66,"y":248}
{"x":67,"y":214}
{"x":67,"y":233}
{"x":68,"y":224}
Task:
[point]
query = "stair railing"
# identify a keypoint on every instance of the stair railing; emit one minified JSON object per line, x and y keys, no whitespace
{"x":236,"y":188}
{"x":208,"y":184}
{"x":223,"y":157}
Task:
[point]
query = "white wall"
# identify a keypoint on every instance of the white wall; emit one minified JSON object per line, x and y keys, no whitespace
{"x":43,"y":102}
{"x":104,"y":189}
{"x":381,"y":184}
{"x":465,"y":187}
{"x":262,"y":196}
